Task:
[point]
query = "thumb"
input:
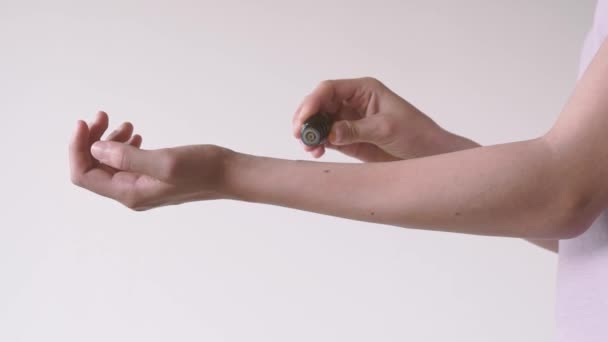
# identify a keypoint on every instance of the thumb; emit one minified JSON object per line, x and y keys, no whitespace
{"x":369,"y":129}
{"x":126,"y":157}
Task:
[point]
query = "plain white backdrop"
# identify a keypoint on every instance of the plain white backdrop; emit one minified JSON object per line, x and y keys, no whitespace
{"x":78,"y":267}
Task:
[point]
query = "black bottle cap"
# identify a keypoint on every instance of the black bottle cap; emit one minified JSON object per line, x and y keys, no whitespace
{"x":316,"y":129}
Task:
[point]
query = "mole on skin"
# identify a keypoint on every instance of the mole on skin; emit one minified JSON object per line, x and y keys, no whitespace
{"x":456,"y":214}
{"x":373,"y":213}
{"x":326,"y":171}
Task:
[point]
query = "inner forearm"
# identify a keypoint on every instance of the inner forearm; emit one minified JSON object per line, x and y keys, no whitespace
{"x":501,"y":190}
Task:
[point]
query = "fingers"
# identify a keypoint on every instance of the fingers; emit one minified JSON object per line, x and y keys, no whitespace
{"x":130,"y":158}
{"x":85,"y":135}
{"x":373,"y":129}
{"x":122,"y":133}
{"x":128,"y":188}
{"x":98,"y":126}
{"x":331,"y":95}
{"x":322,"y":98}
{"x":135,"y":141}
{"x":100,"y":182}
{"x":82,"y":170}
{"x":318,"y":151}
{"x":80,"y":158}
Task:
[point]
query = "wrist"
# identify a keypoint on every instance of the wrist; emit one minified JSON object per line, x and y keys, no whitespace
{"x":234,"y":177}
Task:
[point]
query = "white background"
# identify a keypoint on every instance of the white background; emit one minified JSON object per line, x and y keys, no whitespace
{"x":78,"y":267}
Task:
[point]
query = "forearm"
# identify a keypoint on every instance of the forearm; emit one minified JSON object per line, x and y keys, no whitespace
{"x":449,"y":142}
{"x":502,"y":190}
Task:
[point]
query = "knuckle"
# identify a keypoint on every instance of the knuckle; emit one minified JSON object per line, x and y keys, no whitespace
{"x":122,"y":159}
{"x":129,"y":205}
{"x":373,"y":82}
{"x":131,"y":201}
{"x":136,"y":207}
{"x":326,"y":84}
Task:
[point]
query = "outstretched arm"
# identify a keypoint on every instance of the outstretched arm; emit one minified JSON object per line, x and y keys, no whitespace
{"x":552,"y":187}
{"x":375,"y":124}
{"x":512,"y":190}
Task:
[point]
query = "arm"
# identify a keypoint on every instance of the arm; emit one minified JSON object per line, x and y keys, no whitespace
{"x":387,"y":127}
{"x":453,"y":142}
{"x":504,"y":190}
{"x":551,"y":187}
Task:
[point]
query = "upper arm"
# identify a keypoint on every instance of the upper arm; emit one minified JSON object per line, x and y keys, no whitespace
{"x":579,"y":140}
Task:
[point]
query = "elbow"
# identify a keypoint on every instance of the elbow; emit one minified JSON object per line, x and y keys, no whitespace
{"x":574,"y":215}
{"x":576,"y":198}
{"x":570,"y":229}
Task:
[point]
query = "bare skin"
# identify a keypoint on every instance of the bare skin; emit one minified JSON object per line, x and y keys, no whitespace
{"x":548,"y":188}
{"x":375,"y":124}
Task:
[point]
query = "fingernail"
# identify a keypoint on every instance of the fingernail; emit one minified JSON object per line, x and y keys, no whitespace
{"x":99,"y":150}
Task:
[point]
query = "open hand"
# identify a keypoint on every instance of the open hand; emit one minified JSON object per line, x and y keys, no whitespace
{"x":142,"y":179}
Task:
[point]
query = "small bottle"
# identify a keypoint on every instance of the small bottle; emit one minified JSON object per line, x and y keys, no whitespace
{"x":316,"y":129}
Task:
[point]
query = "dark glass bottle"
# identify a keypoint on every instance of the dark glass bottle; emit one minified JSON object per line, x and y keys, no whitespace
{"x":316,"y":129}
